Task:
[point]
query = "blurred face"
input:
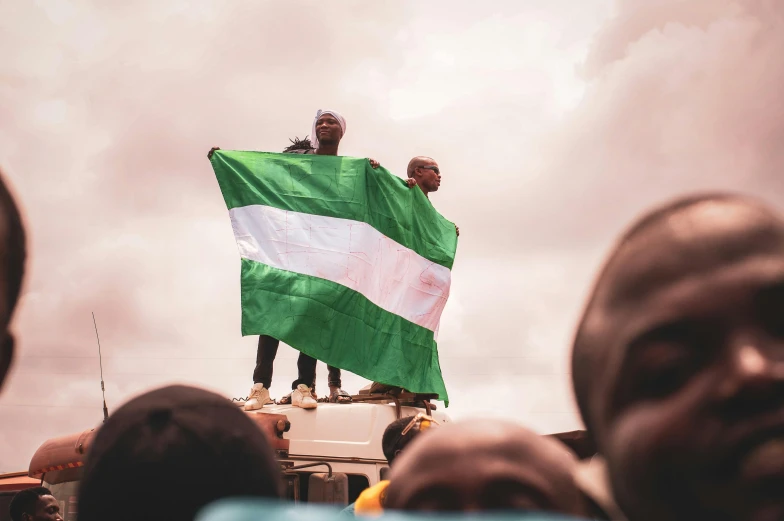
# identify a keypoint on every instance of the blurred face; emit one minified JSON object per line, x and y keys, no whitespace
{"x":46,"y":509}
{"x":328,"y":130}
{"x":692,"y":418}
{"x":490,"y":472}
{"x":428,"y":175}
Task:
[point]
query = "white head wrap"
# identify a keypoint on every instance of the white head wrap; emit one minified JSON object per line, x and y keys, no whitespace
{"x":314,"y":142}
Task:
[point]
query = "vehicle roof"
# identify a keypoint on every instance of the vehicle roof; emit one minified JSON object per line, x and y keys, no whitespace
{"x":352,"y":431}
{"x":14,"y":481}
{"x":334,"y":431}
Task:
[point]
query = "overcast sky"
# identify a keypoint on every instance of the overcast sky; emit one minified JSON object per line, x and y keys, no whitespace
{"x":554,"y":121}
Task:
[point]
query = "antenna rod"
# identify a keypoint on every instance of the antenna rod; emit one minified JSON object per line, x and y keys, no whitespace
{"x":100,"y":362}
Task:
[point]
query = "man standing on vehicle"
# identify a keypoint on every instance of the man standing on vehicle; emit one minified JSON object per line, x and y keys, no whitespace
{"x":328,"y":129}
{"x":424,"y":172}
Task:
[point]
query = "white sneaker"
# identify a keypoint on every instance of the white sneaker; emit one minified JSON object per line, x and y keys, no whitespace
{"x":258,"y":398}
{"x":301,"y":397}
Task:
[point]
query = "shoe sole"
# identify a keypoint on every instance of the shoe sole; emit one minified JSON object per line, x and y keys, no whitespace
{"x":306,"y":406}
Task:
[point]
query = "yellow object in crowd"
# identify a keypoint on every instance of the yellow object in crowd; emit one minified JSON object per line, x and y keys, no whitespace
{"x":371,"y":501}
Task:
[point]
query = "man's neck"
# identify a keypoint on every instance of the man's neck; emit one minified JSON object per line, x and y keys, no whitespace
{"x":327,"y":150}
{"x":424,"y":191}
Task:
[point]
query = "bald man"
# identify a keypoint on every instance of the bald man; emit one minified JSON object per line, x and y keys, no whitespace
{"x":13,"y":252}
{"x":484,"y":465}
{"x":424,"y":172}
{"x":678,"y":363}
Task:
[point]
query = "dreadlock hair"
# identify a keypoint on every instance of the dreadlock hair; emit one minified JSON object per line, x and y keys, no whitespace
{"x":299,"y":144}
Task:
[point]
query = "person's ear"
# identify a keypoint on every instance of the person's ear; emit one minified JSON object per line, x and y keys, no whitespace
{"x":6,"y":356}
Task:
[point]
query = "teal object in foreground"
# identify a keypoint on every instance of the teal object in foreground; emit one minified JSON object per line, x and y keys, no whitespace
{"x":265,"y":510}
{"x":341,"y":261}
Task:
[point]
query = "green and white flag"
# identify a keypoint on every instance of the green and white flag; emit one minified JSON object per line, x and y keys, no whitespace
{"x":340,"y":261}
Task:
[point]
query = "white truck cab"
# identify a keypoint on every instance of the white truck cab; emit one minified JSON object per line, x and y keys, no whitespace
{"x":347,"y":437}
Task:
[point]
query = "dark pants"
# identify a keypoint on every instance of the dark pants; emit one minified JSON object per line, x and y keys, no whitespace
{"x":306,"y":366}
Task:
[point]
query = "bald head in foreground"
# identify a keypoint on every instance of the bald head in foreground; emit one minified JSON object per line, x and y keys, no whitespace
{"x":12,"y":262}
{"x":488,"y":465}
{"x":678,"y":362}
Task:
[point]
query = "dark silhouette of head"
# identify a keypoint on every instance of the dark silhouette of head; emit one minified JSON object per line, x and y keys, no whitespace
{"x":13,"y":253}
{"x":678,"y":362}
{"x":479,"y":466}
{"x":394,"y":441}
{"x":174,"y":450}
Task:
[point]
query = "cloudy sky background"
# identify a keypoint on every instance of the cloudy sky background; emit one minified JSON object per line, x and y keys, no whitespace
{"x":554,"y":121}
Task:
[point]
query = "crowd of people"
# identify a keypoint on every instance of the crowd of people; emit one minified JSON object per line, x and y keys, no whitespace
{"x":677,"y":368}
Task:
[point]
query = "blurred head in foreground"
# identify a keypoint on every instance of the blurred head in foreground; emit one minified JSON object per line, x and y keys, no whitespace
{"x":678,"y":362}
{"x":12,"y":262}
{"x":397,"y":436}
{"x":479,"y":466}
{"x":164,"y":455}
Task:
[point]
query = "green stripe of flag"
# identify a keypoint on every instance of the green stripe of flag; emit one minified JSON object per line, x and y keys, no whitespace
{"x":337,"y":186}
{"x":339,"y":326}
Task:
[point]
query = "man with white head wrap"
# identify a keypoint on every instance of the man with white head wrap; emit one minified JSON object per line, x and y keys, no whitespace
{"x":325,"y":124}
{"x":327,"y":131}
